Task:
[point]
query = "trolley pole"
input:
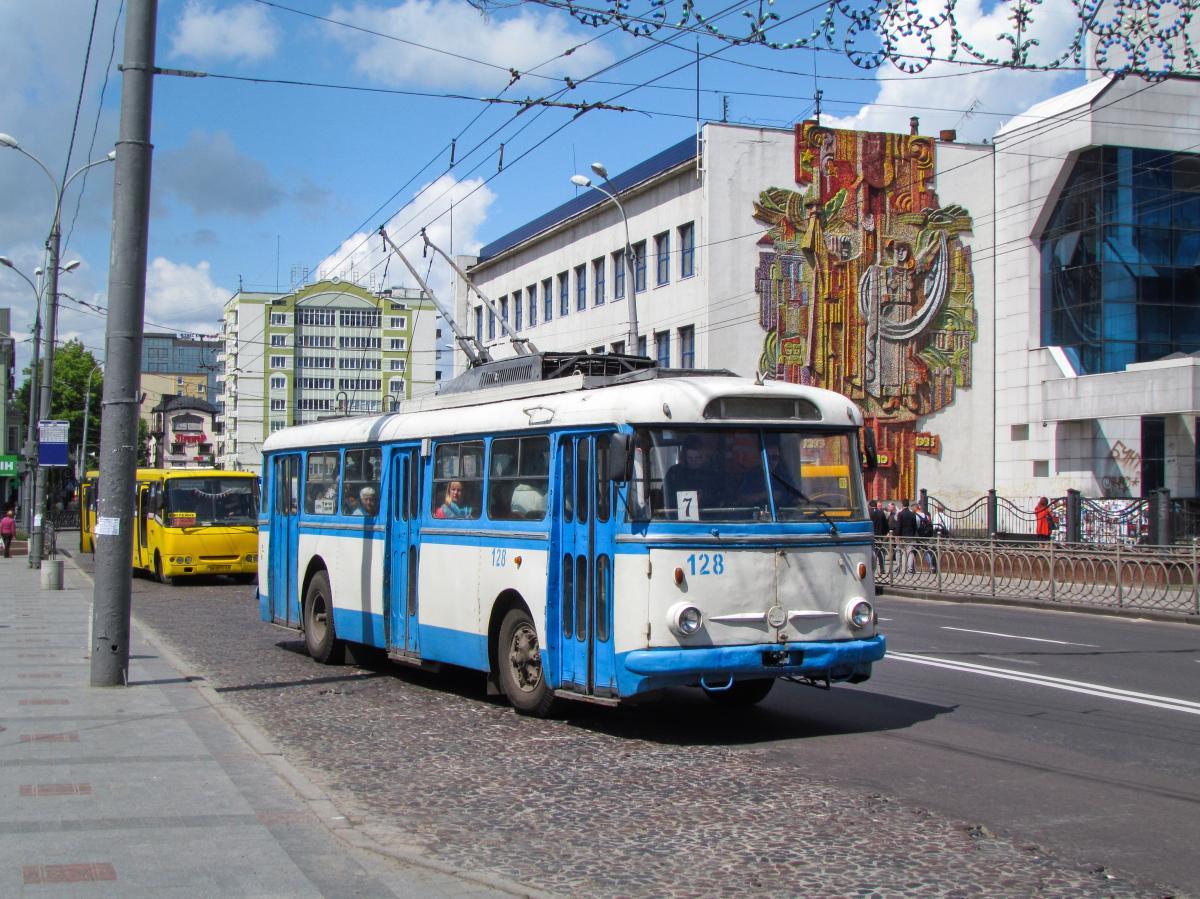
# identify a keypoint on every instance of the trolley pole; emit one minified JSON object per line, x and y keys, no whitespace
{"x":115,"y":515}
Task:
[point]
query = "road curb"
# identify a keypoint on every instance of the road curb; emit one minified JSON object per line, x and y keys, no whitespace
{"x":325,"y":809}
{"x":1110,"y":611}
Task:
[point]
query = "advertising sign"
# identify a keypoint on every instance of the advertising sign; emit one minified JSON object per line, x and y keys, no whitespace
{"x":52,"y":443}
{"x":8,"y":466}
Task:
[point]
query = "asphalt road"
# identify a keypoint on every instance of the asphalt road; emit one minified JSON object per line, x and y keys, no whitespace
{"x":930,"y":779}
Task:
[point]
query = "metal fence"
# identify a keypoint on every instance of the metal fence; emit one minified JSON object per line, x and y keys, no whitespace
{"x":1150,"y":578}
{"x":1158,"y":519}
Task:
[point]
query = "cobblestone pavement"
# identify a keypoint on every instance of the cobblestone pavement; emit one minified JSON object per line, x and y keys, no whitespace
{"x":654,"y":800}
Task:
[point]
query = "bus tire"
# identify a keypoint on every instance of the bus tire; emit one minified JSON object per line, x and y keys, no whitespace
{"x":320,"y":639}
{"x":158,"y":571}
{"x":743,"y":693}
{"x":519,"y":664}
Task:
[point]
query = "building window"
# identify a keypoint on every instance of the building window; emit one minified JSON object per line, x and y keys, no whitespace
{"x":662,"y":255}
{"x":531,"y":299}
{"x":518,"y":311}
{"x":360,"y":318}
{"x":618,"y":259}
{"x":564,"y":293}
{"x":279,"y":362}
{"x":687,"y":250}
{"x":642,"y":345}
{"x":323,"y":318}
{"x":278,"y":382}
{"x":279,"y":319}
{"x":639,"y":266}
{"x":598,"y":280}
{"x":618,"y":347}
{"x":396,"y":386}
{"x":547,"y":300}
{"x":397,"y":343}
{"x":491,"y":324}
{"x":1118,"y":259}
{"x":479,"y":324}
{"x":323,"y":341}
{"x":662,"y":348}
{"x":277,"y":425}
{"x":504,"y":309}
{"x":278,"y":340}
{"x":398,"y":323}
{"x":687,"y":347}
{"x":397,"y":365}
{"x":278,"y":405}
{"x":580,"y":287}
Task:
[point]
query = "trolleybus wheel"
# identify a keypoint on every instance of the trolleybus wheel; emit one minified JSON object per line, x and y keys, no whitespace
{"x":158,"y":571}
{"x":519,"y":660}
{"x":319,"y":637}
{"x":743,"y":693}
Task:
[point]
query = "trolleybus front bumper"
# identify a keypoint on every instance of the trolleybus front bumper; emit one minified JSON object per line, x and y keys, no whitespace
{"x":713,"y":666}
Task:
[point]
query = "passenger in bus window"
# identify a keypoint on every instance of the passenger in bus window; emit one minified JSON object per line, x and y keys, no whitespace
{"x":453,"y":505}
{"x":350,"y":502}
{"x":368,"y":499}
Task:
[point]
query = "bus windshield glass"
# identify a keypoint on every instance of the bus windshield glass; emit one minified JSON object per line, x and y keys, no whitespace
{"x":745,"y":474}
{"x":203,"y":501}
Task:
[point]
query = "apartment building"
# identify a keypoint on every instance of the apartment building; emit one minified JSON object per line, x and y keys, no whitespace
{"x":324,"y":350}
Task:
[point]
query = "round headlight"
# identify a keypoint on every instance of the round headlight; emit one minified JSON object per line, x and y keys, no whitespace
{"x":859,"y":613}
{"x":685,"y":619}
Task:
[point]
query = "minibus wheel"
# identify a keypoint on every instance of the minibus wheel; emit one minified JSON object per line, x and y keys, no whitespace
{"x":319,"y":637}
{"x":743,"y":693}
{"x":158,"y":571}
{"x":519,"y":660}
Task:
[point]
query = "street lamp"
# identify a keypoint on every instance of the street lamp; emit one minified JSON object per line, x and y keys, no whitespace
{"x":51,"y":301}
{"x":631,"y":274}
{"x":87,"y":406}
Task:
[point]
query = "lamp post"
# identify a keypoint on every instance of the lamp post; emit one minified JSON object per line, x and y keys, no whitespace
{"x":631,"y":274}
{"x":51,"y":302}
{"x":87,"y":407}
{"x":30,"y":450}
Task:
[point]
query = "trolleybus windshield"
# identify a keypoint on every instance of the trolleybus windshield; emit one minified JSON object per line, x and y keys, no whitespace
{"x":745,"y":474}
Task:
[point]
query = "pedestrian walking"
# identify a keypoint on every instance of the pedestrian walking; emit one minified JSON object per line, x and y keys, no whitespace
{"x":925,"y":533}
{"x":1044,"y":520}
{"x":906,"y":531}
{"x":879,"y":527}
{"x":8,"y":530}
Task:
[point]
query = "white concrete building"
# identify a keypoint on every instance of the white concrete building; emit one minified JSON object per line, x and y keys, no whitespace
{"x":323,"y":350}
{"x":1003,"y":312}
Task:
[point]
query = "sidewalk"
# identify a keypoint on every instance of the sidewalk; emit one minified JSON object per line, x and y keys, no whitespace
{"x":157,"y":788}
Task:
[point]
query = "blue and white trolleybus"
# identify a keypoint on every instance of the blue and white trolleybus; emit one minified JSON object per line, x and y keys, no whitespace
{"x":593,"y":536}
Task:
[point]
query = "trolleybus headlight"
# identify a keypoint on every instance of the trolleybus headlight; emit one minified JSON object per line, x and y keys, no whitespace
{"x":859,"y":613}
{"x":685,"y":619}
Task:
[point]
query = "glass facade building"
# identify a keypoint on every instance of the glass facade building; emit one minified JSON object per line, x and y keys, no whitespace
{"x":1119,"y":258}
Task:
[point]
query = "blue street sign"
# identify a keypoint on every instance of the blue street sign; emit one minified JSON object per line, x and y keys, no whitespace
{"x":52,"y":443}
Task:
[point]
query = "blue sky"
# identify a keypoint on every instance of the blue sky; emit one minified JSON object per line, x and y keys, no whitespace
{"x":255,"y":181}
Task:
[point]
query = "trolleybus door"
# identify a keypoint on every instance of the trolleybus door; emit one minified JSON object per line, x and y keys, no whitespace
{"x":586,"y":576}
{"x":285,"y":536}
{"x":400,"y":587}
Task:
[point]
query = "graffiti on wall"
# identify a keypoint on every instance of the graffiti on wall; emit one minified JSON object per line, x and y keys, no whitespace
{"x":865,"y":287}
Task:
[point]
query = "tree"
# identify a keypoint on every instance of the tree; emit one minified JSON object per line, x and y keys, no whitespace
{"x":73,"y":364}
{"x":143,"y":453}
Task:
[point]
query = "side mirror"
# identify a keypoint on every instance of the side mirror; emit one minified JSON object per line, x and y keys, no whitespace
{"x":620,"y":458}
{"x":870,"y":454}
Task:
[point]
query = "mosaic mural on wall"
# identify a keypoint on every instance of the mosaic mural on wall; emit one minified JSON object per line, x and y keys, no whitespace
{"x":865,"y":287}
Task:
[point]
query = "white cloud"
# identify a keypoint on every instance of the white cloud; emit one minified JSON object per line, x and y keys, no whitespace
{"x":181,"y":297}
{"x":996,"y":94}
{"x":453,"y":213}
{"x":521,"y":40}
{"x":244,"y":33}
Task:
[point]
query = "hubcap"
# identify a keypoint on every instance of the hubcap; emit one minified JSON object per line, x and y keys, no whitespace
{"x":525,"y":658}
{"x":318,"y":618}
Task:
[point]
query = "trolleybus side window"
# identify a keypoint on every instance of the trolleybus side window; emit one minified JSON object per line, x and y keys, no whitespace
{"x":457,"y":480}
{"x":518,"y":478}
{"x":360,"y":482}
{"x":321,"y":483}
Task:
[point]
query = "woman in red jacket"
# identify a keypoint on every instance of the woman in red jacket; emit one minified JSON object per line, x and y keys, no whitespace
{"x":1046,"y":522}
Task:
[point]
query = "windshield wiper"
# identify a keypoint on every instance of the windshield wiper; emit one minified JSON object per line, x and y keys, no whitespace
{"x":816,"y":507}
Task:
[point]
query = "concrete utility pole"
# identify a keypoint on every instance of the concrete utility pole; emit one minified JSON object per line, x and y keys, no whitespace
{"x":115,"y":515}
